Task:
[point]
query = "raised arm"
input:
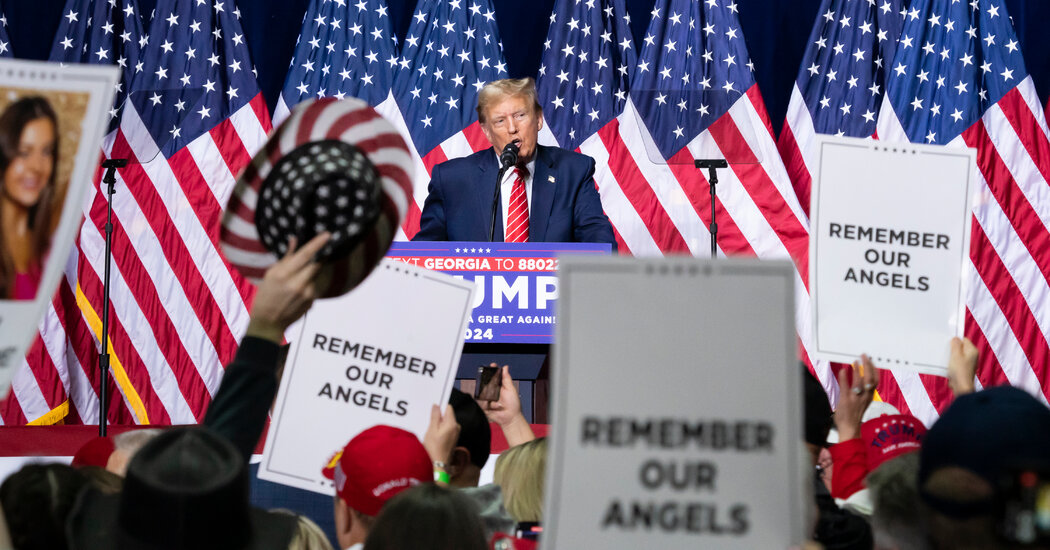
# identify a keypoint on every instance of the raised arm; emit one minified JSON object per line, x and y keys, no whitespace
{"x":249,"y":385}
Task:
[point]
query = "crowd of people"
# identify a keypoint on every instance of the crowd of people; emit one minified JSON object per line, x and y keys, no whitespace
{"x":974,"y":479}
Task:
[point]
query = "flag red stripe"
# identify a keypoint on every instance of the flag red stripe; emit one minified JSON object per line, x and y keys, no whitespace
{"x":170,"y":345}
{"x":760,"y":107}
{"x":890,"y":392}
{"x":59,"y":339}
{"x":194,"y":187}
{"x":989,"y":371}
{"x":175,"y":251}
{"x":411,"y":224}
{"x":46,"y":375}
{"x":205,"y":207}
{"x":938,"y":389}
{"x":1013,"y":202}
{"x":763,"y":191}
{"x":1023,"y":121}
{"x":638,"y":191}
{"x":83,"y":345}
{"x":11,"y":410}
{"x":1010,"y":300}
{"x":232,"y":150}
{"x":435,"y":157}
{"x":79,"y":338}
{"x":262,"y":112}
{"x":730,"y":239}
{"x":621,"y":246}
{"x":139,"y":377}
{"x":476,"y":137}
{"x":72,"y":417}
{"x":801,"y":179}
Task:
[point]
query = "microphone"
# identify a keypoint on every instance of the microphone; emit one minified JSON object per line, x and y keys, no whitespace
{"x":508,"y":158}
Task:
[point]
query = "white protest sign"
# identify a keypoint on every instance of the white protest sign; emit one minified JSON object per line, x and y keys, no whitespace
{"x":676,"y":407}
{"x":381,"y":354}
{"x":889,"y":242}
{"x":57,"y":116}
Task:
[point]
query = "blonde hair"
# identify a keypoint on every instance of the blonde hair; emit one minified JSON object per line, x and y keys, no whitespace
{"x":308,"y":535}
{"x":519,"y":473}
{"x":510,"y":87}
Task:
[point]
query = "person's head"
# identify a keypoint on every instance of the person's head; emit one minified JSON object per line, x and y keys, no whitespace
{"x":186,"y":488}
{"x":428,"y":517}
{"x":474,"y":444}
{"x":978,"y":440}
{"x":816,"y":415}
{"x":520,"y":473}
{"x":895,"y":505}
{"x":125,"y":446}
{"x":28,"y":165}
{"x":37,"y":500}
{"x":28,"y":150}
{"x":372,"y":468}
{"x":308,"y":535}
{"x":102,"y":479}
{"x":509,"y":110}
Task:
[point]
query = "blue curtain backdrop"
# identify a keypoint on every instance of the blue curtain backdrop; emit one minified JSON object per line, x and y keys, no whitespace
{"x":776,"y":32}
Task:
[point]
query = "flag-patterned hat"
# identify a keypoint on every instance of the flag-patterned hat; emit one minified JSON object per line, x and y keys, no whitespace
{"x":333,"y":165}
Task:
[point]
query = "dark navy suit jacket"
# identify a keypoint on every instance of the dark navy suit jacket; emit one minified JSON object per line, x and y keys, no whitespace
{"x":565,"y":205}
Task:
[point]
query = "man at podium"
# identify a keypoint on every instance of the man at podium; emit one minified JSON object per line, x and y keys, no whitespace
{"x":546,"y":194}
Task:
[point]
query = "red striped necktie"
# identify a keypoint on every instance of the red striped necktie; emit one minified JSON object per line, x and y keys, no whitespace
{"x":518,"y":213}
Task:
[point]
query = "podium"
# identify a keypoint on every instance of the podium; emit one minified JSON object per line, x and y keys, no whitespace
{"x":514,"y":317}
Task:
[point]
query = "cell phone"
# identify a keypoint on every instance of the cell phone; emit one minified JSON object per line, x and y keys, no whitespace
{"x":528,"y":530}
{"x":1024,"y":506}
{"x":488,"y":384}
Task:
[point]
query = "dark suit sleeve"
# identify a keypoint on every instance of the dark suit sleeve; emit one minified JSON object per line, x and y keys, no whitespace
{"x":590,"y":225}
{"x":432,"y":225}
{"x":242,"y":403}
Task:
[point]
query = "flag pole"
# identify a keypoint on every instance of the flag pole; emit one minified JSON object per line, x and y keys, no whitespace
{"x":712,"y":166}
{"x":110,"y":179}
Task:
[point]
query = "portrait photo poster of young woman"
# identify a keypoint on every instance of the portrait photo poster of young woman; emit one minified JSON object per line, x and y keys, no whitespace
{"x":52,"y":121}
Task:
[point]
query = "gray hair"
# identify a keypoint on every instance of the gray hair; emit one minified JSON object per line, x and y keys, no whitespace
{"x":510,"y":87}
{"x":894,"y":493}
{"x":131,"y":441}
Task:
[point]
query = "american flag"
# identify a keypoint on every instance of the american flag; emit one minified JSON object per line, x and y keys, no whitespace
{"x":958,"y":79}
{"x":117,"y":39}
{"x":583,"y":84}
{"x":690,"y":95}
{"x":841,"y":81}
{"x":194,"y":115}
{"x":5,"y":41}
{"x":452,"y":49}
{"x":59,"y":379}
{"x":839,"y":91}
{"x":345,"y":49}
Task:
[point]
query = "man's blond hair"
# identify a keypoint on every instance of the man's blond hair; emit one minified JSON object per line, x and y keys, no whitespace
{"x":510,"y":87}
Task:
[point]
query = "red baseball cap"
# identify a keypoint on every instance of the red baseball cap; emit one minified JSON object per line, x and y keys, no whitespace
{"x":94,"y":453}
{"x":377,"y":464}
{"x":890,"y":436}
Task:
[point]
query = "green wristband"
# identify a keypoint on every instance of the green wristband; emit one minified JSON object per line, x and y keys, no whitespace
{"x":441,"y":476}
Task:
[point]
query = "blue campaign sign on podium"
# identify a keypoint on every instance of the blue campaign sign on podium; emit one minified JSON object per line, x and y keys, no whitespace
{"x":517,"y":283}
